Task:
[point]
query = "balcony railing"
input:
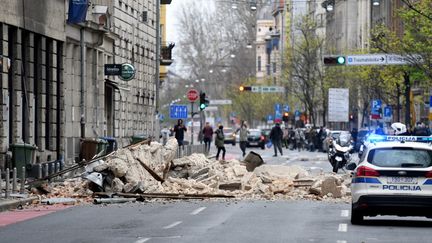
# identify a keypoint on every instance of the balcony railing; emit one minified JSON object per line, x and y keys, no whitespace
{"x":166,"y":54}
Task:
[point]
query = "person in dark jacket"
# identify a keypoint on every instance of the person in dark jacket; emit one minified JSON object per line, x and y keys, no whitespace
{"x":276,"y":135}
{"x":208,"y":135}
{"x":179,"y":130}
{"x":220,"y":142}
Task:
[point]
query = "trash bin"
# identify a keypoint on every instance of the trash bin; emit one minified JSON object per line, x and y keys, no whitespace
{"x":138,"y":138}
{"x":112,"y":144}
{"x":102,"y":146}
{"x":22,"y":155}
{"x":89,"y":148}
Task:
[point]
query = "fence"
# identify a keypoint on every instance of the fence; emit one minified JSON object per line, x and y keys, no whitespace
{"x":187,"y":150}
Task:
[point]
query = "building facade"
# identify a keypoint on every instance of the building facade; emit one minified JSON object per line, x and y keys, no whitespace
{"x":54,"y":88}
{"x":32,"y":80}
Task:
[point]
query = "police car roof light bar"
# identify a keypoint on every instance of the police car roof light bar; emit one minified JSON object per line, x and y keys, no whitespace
{"x":373,"y":138}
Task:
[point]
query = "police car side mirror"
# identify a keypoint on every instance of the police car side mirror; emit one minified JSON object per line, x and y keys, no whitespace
{"x":351,"y":166}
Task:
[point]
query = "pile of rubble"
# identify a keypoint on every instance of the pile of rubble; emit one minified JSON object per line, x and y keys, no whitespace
{"x":153,"y":170}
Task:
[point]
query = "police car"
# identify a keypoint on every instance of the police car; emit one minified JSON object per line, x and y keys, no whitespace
{"x":393,"y":177}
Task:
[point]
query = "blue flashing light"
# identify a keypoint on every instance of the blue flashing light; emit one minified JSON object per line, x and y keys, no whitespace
{"x":374,"y":138}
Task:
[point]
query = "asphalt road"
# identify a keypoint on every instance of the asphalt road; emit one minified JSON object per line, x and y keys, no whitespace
{"x":219,"y":220}
{"x":313,"y":161}
{"x":213,"y":221}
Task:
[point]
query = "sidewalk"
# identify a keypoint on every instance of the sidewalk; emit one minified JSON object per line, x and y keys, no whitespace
{"x":15,"y":202}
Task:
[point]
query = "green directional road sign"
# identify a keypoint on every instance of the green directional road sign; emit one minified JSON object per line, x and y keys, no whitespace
{"x":127,"y":72}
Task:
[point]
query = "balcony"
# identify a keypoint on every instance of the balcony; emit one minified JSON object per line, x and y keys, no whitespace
{"x":166,"y":51}
{"x":165,"y":1}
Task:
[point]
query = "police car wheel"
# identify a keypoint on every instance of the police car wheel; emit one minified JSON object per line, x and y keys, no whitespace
{"x":356,"y":217}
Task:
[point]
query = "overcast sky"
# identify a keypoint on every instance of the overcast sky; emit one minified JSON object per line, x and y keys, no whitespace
{"x":171,"y":19}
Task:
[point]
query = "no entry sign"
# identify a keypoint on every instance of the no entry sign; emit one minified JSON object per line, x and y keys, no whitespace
{"x":192,"y":95}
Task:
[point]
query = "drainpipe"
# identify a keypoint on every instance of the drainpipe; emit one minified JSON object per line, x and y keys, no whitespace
{"x":82,"y":79}
{"x":158,"y":50}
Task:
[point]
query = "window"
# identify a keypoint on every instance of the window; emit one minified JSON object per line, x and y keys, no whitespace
{"x":259,"y":64}
{"x":274,"y":67}
{"x":400,"y":157}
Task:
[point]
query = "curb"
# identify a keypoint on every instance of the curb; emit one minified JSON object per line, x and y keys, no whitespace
{"x":14,"y":204}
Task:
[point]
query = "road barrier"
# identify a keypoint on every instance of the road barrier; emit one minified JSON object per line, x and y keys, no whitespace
{"x":187,"y":150}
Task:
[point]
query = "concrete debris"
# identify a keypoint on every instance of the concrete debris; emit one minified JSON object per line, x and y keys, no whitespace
{"x":59,"y":200}
{"x":154,"y":170}
{"x":253,"y":160}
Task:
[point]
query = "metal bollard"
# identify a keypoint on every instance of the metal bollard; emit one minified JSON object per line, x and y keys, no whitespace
{"x":7,"y":183}
{"x":14,"y":180}
{"x":23,"y":179}
{"x":1,"y":181}
{"x":40,"y":175}
{"x":57,"y":168}
{"x":46,"y":170}
{"x":52,"y":168}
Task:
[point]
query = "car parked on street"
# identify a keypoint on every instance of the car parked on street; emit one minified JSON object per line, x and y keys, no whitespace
{"x":256,"y":138}
{"x":266,"y":134}
{"x":230,"y":137}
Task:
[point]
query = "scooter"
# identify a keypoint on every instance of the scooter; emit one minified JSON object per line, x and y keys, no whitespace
{"x":340,"y":151}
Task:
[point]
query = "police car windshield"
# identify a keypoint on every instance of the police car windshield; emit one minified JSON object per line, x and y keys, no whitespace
{"x":400,"y":157}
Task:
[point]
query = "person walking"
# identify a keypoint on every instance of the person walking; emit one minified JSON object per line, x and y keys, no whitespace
{"x":165,"y":132}
{"x":243,"y":133}
{"x":285,"y":137}
{"x":208,"y":135}
{"x":219,"y":142}
{"x":276,"y":135}
{"x":179,"y":131}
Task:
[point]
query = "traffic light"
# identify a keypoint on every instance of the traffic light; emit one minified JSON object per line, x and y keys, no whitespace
{"x":334,"y":60}
{"x":285,"y":117}
{"x":245,"y":88}
{"x":204,"y":102}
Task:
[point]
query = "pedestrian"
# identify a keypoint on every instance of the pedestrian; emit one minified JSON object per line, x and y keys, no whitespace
{"x":276,"y":135}
{"x":300,"y":139}
{"x":220,"y":142}
{"x":208,"y":135}
{"x":165,"y":132}
{"x":285,"y":137}
{"x":292,"y":139}
{"x":320,"y":139}
{"x":243,"y":134}
{"x":380,"y":130}
{"x":420,"y":130}
{"x":179,"y":131}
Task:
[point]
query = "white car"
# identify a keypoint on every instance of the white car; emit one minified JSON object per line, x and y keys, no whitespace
{"x":393,"y":177}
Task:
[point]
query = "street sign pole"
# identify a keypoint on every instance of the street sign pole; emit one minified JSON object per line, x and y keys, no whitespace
{"x":192,"y":128}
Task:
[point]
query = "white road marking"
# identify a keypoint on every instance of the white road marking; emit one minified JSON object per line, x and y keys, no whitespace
{"x":343,"y":228}
{"x":198,"y":210}
{"x":341,"y":241}
{"x":344,"y":213}
{"x":172,"y":225}
{"x":142,"y":240}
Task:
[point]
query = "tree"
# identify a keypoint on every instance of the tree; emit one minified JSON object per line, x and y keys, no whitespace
{"x":213,"y":39}
{"x":305,"y":69}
